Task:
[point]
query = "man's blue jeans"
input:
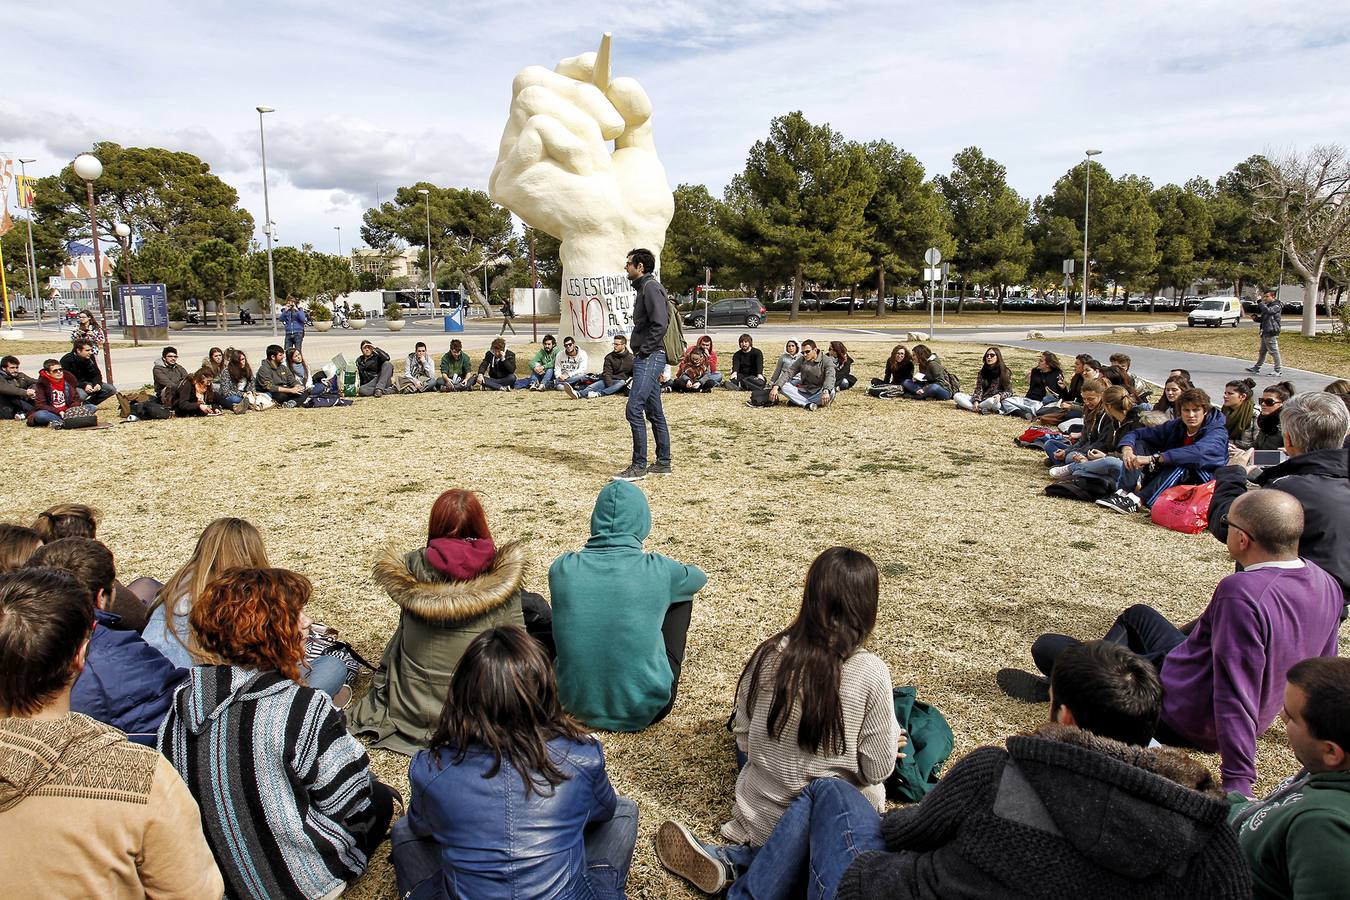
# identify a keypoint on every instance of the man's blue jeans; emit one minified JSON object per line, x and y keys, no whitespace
{"x":644,"y":404}
{"x":827,"y":827}
{"x":294,"y":339}
{"x":104,"y":391}
{"x":546,"y":379}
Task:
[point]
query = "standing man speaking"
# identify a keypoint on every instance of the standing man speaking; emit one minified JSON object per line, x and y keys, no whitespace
{"x":650,"y":320}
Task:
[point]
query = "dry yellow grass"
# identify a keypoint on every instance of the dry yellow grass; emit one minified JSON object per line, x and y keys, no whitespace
{"x":975,"y":560}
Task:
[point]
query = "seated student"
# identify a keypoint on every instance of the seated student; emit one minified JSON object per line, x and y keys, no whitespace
{"x":1223,"y":682}
{"x":234,"y":383}
{"x":1186,"y":450}
{"x":747,"y":367}
{"x":1239,"y":413}
{"x":129,"y":602}
{"x":993,"y":384}
{"x":693,"y":375}
{"x":455,"y":368}
{"x":276,"y":379}
{"x":82,"y":365}
{"x":620,"y":617}
{"x":296,"y":360}
{"x":83,"y":811}
{"x":807,"y":381}
{"x":17,"y":543}
{"x":1045,"y":387}
{"x":451,"y":589}
{"x":290,"y":808}
{"x":1134,"y":385}
{"x":1091,"y":426}
{"x":194,"y":397}
{"x":843,"y":365}
{"x":811,"y":703}
{"x":419,"y":375}
{"x":224,"y":544}
{"x":1315,"y":428}
{"x":542,"y":366}
{"x":126,"y":683}
{"x":1268,"y":435}
{"x":1339,"y":388}
{"x":1073,"y":393}
{"x":570,"y":367}
{"x":899,"y":368}
{"x":497,"y":371}
{"x":1297,"y":840}
{"x":931,"y":379}
{"x":615,"y":374}
{"x":54,"y":393}
{"x":1173,"y":388}
{"x":167,"y":374}
{"x":17,"y":390}
{"x":1077,"y":808}
{"x":1097,"y":453}
{"x":791,"y":353}
{"x":505,"y":753}
{"x":705,"y":344}
{"x":374,"y":371}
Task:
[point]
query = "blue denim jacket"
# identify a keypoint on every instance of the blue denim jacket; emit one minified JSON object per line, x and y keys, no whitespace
{"x":498,"y":844}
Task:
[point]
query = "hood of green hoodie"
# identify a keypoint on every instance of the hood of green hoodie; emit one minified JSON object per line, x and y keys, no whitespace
{"x":621,"y":517}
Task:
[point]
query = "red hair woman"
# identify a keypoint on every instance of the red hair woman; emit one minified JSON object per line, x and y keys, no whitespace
{"x":448,"y":592}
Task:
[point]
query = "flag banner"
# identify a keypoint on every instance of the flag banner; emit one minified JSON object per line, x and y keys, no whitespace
{"x":6,"y":176}
{"x":25,"y":187}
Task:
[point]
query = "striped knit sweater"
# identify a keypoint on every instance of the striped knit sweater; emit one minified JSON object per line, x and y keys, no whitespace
{"x":283,"y":789}
{"x":777,"y":770}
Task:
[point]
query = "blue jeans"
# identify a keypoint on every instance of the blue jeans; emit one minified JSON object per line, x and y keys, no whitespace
{"x":798,"y":397}
{"x":922,"y":390}
{"x":1108,"y":467}
{"x":1057,"y":442}
{"x":644,"y":400}
{"x":598,"y":389}
{"x":294,"y":339}
{"x":609,"y":853}
{"x":44,"y":417}
{"x":546,"y":379}
{"x":827,"y":827}
{"x":325,"y":673}
{"x":103,"y":393}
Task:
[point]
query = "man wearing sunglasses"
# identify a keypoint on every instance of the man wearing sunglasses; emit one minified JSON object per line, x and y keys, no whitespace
{"x":1223,"y":683}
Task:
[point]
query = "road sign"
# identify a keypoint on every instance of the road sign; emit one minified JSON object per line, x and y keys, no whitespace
{"x":932,"y":256}
{"x":1068,"y":267}
{"x":932,"y":274}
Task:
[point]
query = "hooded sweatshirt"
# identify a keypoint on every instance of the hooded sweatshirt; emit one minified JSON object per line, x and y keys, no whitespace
{"x":609,"y":600}
{"x":283,"y":805}
{"x":1060,"y":813}
{"x":86,"y":813}
{"x":1298,"y":838}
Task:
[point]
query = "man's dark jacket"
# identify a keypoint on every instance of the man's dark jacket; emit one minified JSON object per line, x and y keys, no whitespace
{"x":492,"y":367}
{"x":84,"y":371}
{"x":651,"y":317}
{"x":1060,"y":813}
{"x":368,"y":367}
{"x":1319,"y":481}
{"x":617,"y":367}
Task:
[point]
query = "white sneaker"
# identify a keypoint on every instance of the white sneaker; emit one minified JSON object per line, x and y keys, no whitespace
{"x":569,"y":390}
{"x":1059,"y":472}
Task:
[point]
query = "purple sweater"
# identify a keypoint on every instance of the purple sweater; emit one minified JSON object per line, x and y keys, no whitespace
{"x":1224,"y":685}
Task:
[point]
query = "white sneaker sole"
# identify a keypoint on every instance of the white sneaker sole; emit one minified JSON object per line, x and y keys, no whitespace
{"x":680,"y":852}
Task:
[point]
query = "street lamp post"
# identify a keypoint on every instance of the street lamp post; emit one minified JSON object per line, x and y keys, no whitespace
{"x":267,"y":213}
{"x":431,"y":276}
{"x":1087,"y":195}
{"x":88,"y":168}
{"x":123,"y":231}
{"x":32,"y":254}
{"x":338,"y":229}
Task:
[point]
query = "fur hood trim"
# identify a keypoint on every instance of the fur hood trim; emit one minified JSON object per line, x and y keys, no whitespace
{"x":450,"y":602}
{"x":1170,"y":763}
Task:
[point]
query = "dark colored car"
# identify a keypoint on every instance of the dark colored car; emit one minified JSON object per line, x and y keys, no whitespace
{"x":745,"y":311}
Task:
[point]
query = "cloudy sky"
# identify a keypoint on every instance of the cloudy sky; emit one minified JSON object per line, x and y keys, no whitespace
{"x":373,"y":95}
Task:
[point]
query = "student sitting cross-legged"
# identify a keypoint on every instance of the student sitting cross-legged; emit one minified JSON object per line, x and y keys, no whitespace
{"x":83,"y":811}
{"x":511,"y":798}
{"x":1078,"y":808}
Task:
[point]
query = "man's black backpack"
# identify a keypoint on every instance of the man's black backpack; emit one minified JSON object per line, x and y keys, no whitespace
{"x":150,"y":409}
{"x":759,"y":397}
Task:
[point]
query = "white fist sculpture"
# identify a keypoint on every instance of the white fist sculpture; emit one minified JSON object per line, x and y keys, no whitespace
{"x":556,"y":171}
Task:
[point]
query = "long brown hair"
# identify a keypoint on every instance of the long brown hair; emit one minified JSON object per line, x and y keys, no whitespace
{"x":838,"y":612}
{"x":1164,"y":405}
{"x":227,"y":543}
{"x":503,"y":698}
{"x":238,"y":366}
{"x":67,"y":520}
{"x":1238,"y":419}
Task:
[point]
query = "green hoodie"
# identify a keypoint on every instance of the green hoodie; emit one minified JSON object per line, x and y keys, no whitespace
{"x":1298,"y":839}
{"x":609,"y":600}
{"x":544,"y":358}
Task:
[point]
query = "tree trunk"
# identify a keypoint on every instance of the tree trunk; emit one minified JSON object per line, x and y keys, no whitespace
{"x":795,"y":312}
{"x":852,"y":291}
{"x":881,"y":291}
{"x":478,"y":296}
{"x":961,"y":301}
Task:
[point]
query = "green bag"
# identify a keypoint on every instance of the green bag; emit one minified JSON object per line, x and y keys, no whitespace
{"x":349,"y":383}
{"x":930,"y":745}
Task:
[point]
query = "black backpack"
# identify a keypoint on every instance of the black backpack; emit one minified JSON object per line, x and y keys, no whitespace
{"x":150,"y":409}
{"x":759,"y":397}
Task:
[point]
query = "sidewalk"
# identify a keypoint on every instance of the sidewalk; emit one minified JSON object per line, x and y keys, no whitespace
{"x":1208,"y":372}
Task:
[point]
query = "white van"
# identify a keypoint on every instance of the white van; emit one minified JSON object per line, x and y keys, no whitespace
{"x":1216,"y":311}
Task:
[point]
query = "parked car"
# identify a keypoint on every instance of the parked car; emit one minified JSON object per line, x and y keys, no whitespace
{"x":1189,"y":303}
{"x":745,"y":311}
{"x":1216,"y":312}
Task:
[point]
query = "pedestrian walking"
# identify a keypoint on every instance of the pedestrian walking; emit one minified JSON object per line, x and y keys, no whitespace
{"x":1267,"y":317}
{"x":650,"y":321}
{"x":508,"y":313}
